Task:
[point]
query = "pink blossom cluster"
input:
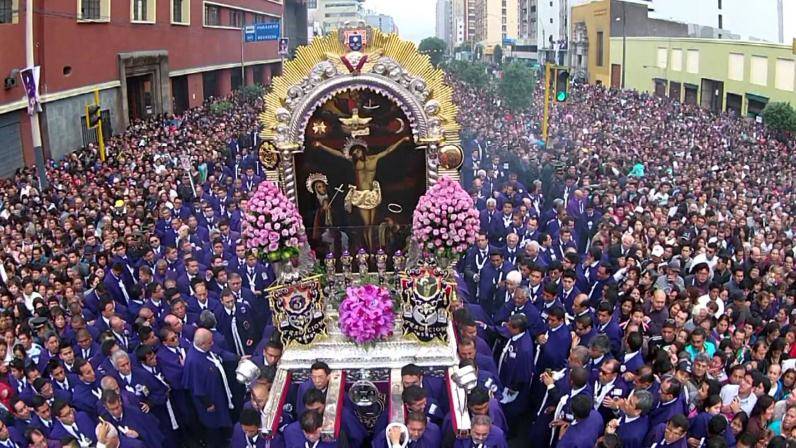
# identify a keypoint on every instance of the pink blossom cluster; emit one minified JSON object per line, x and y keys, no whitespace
{"x":445,"y":218}
{"x":271,"y":221}
{"x":366,"y":314}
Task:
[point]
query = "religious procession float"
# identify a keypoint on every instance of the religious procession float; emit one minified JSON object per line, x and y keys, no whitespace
{"x":361,"y":141}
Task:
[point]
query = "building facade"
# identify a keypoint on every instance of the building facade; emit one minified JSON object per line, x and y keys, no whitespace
{"x":145,"y":57}
{"x":717,"y":74}
{"x":383,"y":22}
{"x":444,"y":19}
{"x":495,"y":22}
{"x":332,"y":14}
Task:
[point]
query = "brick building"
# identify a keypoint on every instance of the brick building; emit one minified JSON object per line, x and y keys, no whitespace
{"x":145,"y":56}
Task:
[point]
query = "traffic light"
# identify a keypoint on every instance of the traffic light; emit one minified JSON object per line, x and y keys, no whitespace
{"x":93,"y":116}
{"x":562,"y":85}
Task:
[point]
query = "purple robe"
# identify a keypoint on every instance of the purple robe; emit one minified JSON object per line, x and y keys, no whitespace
{"x":632,"y":434}
{"x":239,"y":440}
{"x":85,"y":427}
{"x":294,"y":438}
{"x":583,"y":433}
{"x":496,"y":439}
{"x":145,"y":425}
{"x":431,"y":438}
{"x":204,"y":383}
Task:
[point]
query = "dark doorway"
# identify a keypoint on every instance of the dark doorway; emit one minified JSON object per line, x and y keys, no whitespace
{"x":735,"y":103}
{"x":257,"y":74}
{"x":616,"y":76}
{"x":209,"y":85}
{"x":712,"y":95}
{"x":660,"y":88}
{"x":691,"y":94}
{"x":675,"y":91}
{"x":140,"y":102}
{"x":756,"y":104}
{"x":235,"y":78}
{"x":179,"y":90}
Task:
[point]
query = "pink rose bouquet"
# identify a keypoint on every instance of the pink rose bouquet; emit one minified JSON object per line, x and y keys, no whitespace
{"x":271,"y":224}
{"x":445,"y":220}
{"x":366,"y":314}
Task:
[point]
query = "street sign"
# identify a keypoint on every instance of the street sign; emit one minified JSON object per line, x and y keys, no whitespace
{"x":260,"y":32}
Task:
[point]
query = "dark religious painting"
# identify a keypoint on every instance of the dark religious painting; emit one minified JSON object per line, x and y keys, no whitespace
{"x":360,"y":175}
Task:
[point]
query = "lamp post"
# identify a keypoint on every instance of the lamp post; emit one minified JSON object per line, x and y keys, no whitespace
{"x":624,"y":43}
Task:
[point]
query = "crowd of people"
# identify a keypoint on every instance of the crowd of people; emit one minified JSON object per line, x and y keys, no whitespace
{"x":633,"y":281}
{"x":632,"y":285}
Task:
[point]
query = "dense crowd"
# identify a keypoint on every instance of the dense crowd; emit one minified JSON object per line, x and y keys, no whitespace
{"x":632,"y":285}
{"x":633,"y":282}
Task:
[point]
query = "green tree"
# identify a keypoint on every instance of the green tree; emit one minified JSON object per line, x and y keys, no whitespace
{"x":780,"y":117}
{"x":517,"y":86}
{"x":497,"y":55}
{"x":434,"y":47}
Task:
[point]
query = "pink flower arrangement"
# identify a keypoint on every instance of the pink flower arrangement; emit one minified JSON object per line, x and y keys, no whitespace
{"x":366,"y":314}
{"x":445,"y":219}
{"x":271,"y":223}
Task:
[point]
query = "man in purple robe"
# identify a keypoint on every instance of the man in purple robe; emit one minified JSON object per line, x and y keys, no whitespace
{"x":586,"y":427}
{"x":130,"y":422}
{"x":206,"y":380}
{"x":246,"y":433}
{"x":483,"y":434}
{"x":307,"y":432}
{"x":69,"y":423}
{"x":515,"y":369}
{"x":633,"y":425}
{"x":671,"y":434}
{"x":422,"y":434}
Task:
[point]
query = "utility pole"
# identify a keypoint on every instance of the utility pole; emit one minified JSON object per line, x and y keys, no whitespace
{"x":548,"y":70}
{"x":624,"y":43}
{"x":35,"y":130}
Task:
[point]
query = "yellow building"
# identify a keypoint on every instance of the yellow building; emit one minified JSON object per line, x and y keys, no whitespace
{"x":496,"y":20}
{"x":590,"y":41}
{"x":717,"y":74}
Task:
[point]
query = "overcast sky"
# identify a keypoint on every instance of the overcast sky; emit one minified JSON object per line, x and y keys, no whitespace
{"x":415,"y":18}
{"x":789,"y":10}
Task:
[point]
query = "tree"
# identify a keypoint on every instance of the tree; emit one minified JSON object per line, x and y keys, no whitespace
{"x":434,"y":47}
{"x":517,"y":86}
{"x":497,"y":54}
{"x":473,"y":73}
{"x":780,"y":117}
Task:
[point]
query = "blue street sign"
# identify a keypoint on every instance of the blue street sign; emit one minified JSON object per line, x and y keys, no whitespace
{"x":261,"y":32}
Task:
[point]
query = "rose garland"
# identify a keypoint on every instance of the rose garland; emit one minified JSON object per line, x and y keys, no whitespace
{"x":271,"y":224}
{"x":445,"y":220}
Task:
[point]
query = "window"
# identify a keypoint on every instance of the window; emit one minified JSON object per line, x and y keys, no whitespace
{"x":143,"y":11}
{"x":90,"y":9}
{"x":692,"y":61}
{"x":259,"y":18}
{"x":212,"y":15}
{"x":677,"y":59}
{"x":784,"y":75}
{"x":93,"y":10}
{"x":735,"y":67}
{"x":181,"y":11}
{"x":758,"y":73}
{"x":7,"y":11}
{"x":721,"y":22}
{"x":600,"y":48}
{"x":236,"y":18}
{"x":663,"y":54}
{"x":719,"y":4}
